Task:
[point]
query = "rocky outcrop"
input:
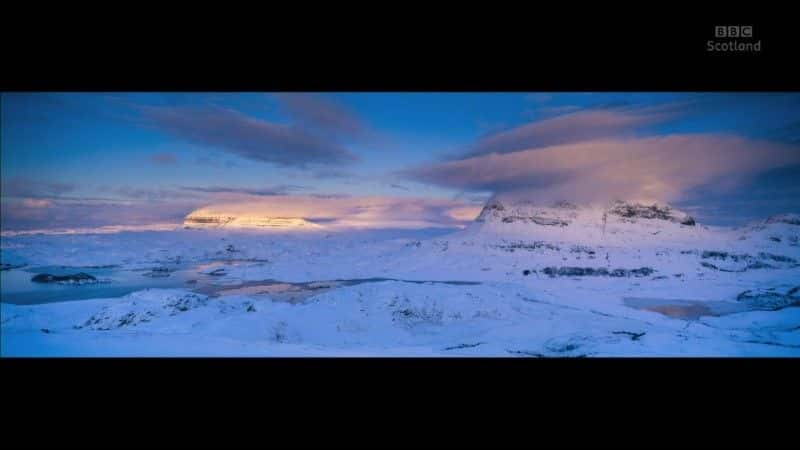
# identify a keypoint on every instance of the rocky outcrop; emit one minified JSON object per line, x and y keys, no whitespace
{"x":142,"y":307}
{"x":158,"y":272}
{"x":789,"y":219}
{"x":557,"y":215}
{"x":494,"y":209}
{"x":564,"y":214}
{"x":741,"y":262}
{"x":76,"y":279}
{"x":526,"y":246}
{"x":770,"y":299}
{"x":207,"y":221}
{"x":634,"y":211}
{"x":547,"y":221}
{"x":596,"y":272}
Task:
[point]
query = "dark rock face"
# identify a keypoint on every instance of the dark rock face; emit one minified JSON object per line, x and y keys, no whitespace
{"x":185,"y":303}
{"x":546,"y":221}
{"x":536,"y":245}
{"x":634,"y":211}
{"x":708,"y":265}
{"x":417,"y":316}
{"x":642,"y":272}
{"x":132,"y":313}
{"x":492,"y":209}
{"x":496,"y":210}
{"x":596,"y":272}
{"x":563,"y":204}
{"x":770,"y":299}
{"x":200,"y":220}
{"x":633,"y":336}
{"x":157,"y":272}
{"x":78,"y":278}
{"x":630,"y":210}
{"x":752,"y":262}
{"x":789,"y":219}
{"x":718,"y":255}
{"x":582,"y":249}
{"x":777,"y":258}
{"x":759,"y":265}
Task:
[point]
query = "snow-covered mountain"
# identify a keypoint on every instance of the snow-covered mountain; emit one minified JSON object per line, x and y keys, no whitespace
{"x":204,"y":218}
{"x":624,"y":239}
{"x":614,"y":223}
{"x":622,"y":278}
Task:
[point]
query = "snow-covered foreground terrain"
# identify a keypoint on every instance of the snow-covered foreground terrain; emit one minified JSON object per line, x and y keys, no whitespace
{"x":565,"y":281}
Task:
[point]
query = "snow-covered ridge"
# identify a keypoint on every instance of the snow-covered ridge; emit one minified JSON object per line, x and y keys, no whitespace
{"x":780,"y":230}
{"x":790,"y":219}
{"x":614,"y":223}
{"x":107,"y":229}
{"x":211,"y":219}
{"x":564,"y":213}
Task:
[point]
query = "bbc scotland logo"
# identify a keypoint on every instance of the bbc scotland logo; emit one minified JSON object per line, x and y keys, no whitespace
{"x":733,"y":38}
{"x":734,"y":31}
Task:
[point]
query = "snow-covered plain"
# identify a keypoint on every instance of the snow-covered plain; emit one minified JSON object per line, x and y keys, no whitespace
{"x":521,"y":281}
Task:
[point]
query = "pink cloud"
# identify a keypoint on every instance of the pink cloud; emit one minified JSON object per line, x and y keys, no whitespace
{"x":573,"y":127}
{"x":36,"y":203}
{"x":653,"y":168}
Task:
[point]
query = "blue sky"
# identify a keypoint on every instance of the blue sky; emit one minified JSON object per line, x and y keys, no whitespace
{"x":88,"y":159}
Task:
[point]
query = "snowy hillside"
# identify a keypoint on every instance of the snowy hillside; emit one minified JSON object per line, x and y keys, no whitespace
{"x":523,"y":280}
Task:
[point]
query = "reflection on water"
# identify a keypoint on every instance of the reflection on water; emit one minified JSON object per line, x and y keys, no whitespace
{"x":684,"y":309}
{"x":16,"y":286}
{"x":207,"y":278}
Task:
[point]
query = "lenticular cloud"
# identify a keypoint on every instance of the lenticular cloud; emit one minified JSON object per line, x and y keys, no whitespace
{"x":653,"y":168}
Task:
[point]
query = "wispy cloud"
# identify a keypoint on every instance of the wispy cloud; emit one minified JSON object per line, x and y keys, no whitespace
{"x":567,"y":128}
{"x":247,"y":137}
{"x":657,"y":168}
{"x":154,"y":194}
{"x":55,"y":214}
{"x":325,"y":174}
{"x":265,"y":191}
{"x":324,"y":116}
{"x":27,"y":187}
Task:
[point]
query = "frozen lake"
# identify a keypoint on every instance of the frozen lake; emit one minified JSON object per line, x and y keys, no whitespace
{"x":17,"y":288}
{"x":684,"y":309}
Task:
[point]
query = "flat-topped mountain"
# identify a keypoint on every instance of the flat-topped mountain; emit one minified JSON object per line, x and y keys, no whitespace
{"x":205,"y":218}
